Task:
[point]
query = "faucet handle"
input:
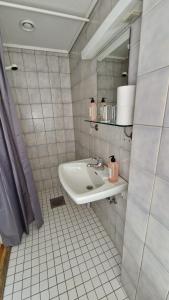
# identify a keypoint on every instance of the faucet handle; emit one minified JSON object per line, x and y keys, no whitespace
{"x":99,"y":159}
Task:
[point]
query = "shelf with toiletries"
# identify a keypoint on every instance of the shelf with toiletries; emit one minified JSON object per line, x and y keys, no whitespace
{"x":120,"y":115}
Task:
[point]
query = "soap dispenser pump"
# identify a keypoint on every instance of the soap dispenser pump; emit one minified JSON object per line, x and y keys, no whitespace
{"x":92,"y":110}
{"x":113,"y":169}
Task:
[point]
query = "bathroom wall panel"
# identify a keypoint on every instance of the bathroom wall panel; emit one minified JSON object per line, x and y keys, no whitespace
{"x":154,"y":32}
{"x":151,"y":102}
{"x":107,"y":140}
{"x":149,"y":180}
{"x":42,"y":94}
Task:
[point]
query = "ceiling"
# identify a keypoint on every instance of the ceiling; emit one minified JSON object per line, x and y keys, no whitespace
{"x":51,"y":32}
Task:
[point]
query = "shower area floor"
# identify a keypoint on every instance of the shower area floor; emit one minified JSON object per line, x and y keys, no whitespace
{"x":70,"y":257}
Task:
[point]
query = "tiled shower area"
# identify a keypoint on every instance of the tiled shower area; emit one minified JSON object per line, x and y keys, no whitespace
{"x":70,"y":257}
{"x":42,"y":93}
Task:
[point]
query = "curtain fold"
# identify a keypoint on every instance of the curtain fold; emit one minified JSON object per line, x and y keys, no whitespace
{"x":19,"y":204}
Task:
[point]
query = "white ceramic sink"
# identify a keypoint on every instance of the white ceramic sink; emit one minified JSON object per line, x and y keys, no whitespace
{"x":86,"y":184}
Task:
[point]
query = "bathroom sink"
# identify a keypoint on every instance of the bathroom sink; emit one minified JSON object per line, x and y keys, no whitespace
{"x":86,"y":184}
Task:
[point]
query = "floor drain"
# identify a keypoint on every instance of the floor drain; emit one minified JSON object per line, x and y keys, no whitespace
{"x":58,"y":201}
{"x":89,"y":187}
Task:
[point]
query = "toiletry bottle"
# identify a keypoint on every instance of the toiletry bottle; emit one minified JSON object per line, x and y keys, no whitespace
{"x":107,"y":113}
{"x":114,"y":108}
{"x":113,"y":169}
{"x":102,"y":104}
{"x":92,"y":110}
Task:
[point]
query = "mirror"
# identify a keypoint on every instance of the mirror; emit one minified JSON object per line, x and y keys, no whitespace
{"x":112,"y":72}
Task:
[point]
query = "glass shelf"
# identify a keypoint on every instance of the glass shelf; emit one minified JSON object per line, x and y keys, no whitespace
{"x":110,"y":123}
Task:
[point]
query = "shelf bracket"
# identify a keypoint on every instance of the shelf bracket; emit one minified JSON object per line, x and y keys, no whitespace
{"x":126,"y":134}
{"x":94,"y":126}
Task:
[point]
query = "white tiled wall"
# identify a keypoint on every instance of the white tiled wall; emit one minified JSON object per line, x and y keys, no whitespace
{"x":145,"y":265}
{"x":42,"y":93}
{"x":85,"y":76}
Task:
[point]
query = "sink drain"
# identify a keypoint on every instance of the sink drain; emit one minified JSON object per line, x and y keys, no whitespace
{"x":89,"y":187}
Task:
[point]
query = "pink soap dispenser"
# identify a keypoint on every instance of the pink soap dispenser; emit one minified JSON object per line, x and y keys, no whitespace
{"x":92,"y":110}
{"x":113,"y":167}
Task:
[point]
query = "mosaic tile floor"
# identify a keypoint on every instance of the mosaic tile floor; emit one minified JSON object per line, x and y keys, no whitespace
{"x":70,"y":257}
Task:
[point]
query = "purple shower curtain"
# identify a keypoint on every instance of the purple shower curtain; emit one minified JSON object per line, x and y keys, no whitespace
{"x":19,"y":204}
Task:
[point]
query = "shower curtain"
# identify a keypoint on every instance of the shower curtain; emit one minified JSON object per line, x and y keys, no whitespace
{"x":19,"y":204}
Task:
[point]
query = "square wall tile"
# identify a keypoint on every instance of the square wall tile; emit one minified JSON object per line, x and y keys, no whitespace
{"x":56,"y":95}
{"x":166,"y":116}
{"x":27,"y":125}
{"x":43,"y":80}
{"x":162,"y":166}
{"x":149,"y":4}
{"x":67,"y":110}
{"x":39,"y":124}
{"x":68,"y":122}
{"x":30,"y":139}
{"x":34,"y":96}
{"x":65,"y":81}
{"x":36,"y":111}
{"x":47,"y":110}
{"x":45,"y":95}
{"x":25,"y":111}
{"x":157,"y":232}
{"x":49,"y":124}
{"x":133,"y":244}
{"x":41,"y":138}
{"x":133,"y":65}
{"x":137,"y":217}
{"x":130,"y":289}
{"x":22,"y":96}
{"x":29,"y":62}
{"x":154,"y":279}
{"x":160,"y":203}
{"x":146,"y":141}
{"x":64,"y":65}
{"x":19,"y":79}
{"x":32,"y":79}
{"x":153,"y":49}
{"x":54,"y":80}
{"x":59,"y":123}
{"x":151,"y":97}
{"x":57,"y":110}
{"x":141,"y":180}
{"x":66,"y":95}
{"x":124,"y":163}
{"x":41,"y":63}
{"x":53,"y":63}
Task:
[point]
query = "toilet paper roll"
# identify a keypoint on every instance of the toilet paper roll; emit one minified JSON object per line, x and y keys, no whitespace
{"x":125,"y":104}
{"x":125,"y":114}
{"x":126,"y":95}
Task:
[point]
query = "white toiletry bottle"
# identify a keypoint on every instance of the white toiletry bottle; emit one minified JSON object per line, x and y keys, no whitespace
{"x":102,"y":104}
{"x":107,"y":113}
{"x":92,"y":110}
{"x":113,"y":169}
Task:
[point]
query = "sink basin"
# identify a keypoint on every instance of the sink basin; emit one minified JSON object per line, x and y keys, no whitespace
{"x":86,"y":184}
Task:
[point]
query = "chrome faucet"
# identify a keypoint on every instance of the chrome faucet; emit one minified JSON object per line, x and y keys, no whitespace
{"x":99,"y":163}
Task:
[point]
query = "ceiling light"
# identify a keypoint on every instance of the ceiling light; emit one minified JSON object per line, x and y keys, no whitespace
{"x":27,"y":25}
